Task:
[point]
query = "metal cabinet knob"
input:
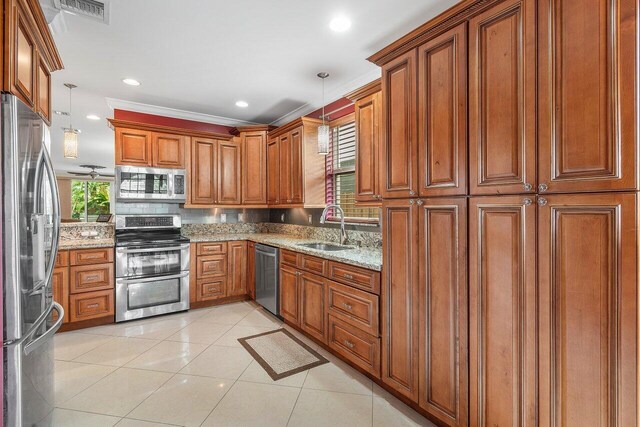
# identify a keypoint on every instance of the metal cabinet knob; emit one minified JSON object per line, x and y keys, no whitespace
{"x":542,"y":201}
{"x":411,"y":202}
{"x":420,"y":203}
{"x":527,"y":202}
{"x":349,"y":344}
{"x":347,"y":306}
{"x":348,"y":276}
{"x":528,"y":187}
{"x":412,"y":193}
{"x":543,"y":187}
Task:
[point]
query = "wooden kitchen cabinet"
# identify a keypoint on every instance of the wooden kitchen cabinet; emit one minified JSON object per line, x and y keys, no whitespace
{"x":133,"y":147}
{"x":254,"y":167}
{"x":60,"y":284}
{"x":84,"y":278}
{"x":313,"y":310}
{"x":43,"y":80}
{"x":251,"y":270}
{"x":92,"y":305}
{"x":442,"y":114}
{"x":399,"y":165}
{"x":502,"y":99}
{"x":442,"y":309}
{"x":588,"y":78}
{"x":273,"y":171}
{"x":22,"y":79}
{"x":203,"y":173}
{"x":237,"y":270}
{"x":400,"y":298}
{"x":289,"y":294}
{"x":588,"y":308}
{"x":368,"y":114}
{"x":168,"y":150}
{"x":502,"y":311}
{"x":293,"y":159}
{"x":228,"y":167}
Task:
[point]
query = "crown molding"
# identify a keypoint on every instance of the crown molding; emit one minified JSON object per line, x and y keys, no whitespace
{"x":138,"y":107}
{"x":337,"y":93}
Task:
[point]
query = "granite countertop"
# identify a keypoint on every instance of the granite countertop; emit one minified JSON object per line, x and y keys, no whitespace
{"x":85,"y":243}
{"x":360,"y":257}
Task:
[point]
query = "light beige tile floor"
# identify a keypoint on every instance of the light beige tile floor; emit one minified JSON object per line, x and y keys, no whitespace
{"x":187,"y":369}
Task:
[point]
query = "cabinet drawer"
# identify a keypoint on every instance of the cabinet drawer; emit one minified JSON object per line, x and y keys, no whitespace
{"x":358,"y":308}
{"x":91,"y":305}
{"x":211,"y":266}
{"x":211,"y":289}
{"x":361,"y":278}
{"x":358,"y":347}
{"x":62,"y":259}
{"x":212,"y":248}
{"x":313,"y":264}
{"x":91,"y":256}
{"x":85,"y":278}
{"x":288,"y":257}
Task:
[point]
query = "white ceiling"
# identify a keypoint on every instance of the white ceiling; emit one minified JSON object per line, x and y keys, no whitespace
{"x":202,"y":56}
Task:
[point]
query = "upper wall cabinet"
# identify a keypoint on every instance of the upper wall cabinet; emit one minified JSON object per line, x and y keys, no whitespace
{"x":368,"y":111}
{"x":30,"y":55}
{"x":254,"y":165}
{"x":502,"y":99}
{"x":229,"y":177}
{"x":133,"y":147}
{"x":296,"y":172}
{"x":588,"y":129}
{"x":215,"y":172}
{"x":168,"y":150}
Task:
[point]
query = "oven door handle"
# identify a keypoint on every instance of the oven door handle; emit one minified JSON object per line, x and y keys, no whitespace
{"x":153,"y":249}
{"x":154,"y":279}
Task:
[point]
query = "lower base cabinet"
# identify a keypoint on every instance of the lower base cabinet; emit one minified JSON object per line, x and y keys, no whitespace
{"x":218,"y":269}
{"x":313,"y":317}
{"x":251,"y":270}
{"x":61,"y":291}
{"x":355,"y":345}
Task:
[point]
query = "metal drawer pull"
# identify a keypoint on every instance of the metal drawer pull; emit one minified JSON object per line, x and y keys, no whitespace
{"x":94,"y":277}
{"x":348,"y":276}
{"x":93,"y":305}
{"x":347,"y":306}
{"x":349,"y":344}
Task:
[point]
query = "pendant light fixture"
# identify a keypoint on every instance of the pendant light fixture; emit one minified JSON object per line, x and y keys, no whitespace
{"x":323,"y":129}
{"x":70,"y":134}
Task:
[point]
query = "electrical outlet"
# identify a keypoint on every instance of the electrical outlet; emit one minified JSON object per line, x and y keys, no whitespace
{"x":240,"y":217}
{"x":282,"y":217}
{"x":310,"y":219}
{"x":223,"y":218}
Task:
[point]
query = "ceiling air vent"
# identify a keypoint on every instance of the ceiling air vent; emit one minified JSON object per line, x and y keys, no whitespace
{"x":93,"y":9}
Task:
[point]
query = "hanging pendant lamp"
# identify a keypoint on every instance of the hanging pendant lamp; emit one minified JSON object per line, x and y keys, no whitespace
{"x":323,"y":129}
{"x":70,"y":144}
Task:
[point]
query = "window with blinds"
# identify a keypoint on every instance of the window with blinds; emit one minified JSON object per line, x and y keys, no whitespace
{"x":341,"y":176}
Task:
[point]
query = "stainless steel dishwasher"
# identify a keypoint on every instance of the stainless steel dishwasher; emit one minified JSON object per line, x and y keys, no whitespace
{"x":267,"y":278}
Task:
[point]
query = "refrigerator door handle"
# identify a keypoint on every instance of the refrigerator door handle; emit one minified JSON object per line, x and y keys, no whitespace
{"x":49,"y":332}
{"x":55,"y":215}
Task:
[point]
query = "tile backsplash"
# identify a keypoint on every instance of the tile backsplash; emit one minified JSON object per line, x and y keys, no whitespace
{"x":196,"y":216}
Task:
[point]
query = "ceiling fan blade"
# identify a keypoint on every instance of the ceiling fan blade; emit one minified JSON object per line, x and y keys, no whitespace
{"x":78,"y":173}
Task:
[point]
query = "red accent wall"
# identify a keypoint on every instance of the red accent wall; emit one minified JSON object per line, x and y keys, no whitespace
{"x":335,"y":110}
{"x":152,"y":119}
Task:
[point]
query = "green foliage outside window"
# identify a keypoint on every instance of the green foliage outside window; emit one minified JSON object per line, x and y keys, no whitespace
{"x":89,"y":199}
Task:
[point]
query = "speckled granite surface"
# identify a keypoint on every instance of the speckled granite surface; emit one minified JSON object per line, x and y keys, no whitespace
{"x":360,"y":257}
{"x":85,"y":243}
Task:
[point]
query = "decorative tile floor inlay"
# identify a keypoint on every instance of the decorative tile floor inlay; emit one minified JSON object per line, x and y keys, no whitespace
{"x":281,"y":354}
{"x":188,"y":369}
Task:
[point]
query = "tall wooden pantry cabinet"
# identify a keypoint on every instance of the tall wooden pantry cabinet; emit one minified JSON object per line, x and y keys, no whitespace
{"x":511,"y":213}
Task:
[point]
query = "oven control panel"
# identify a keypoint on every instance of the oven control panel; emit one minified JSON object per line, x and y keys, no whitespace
{"x":149,"y":221}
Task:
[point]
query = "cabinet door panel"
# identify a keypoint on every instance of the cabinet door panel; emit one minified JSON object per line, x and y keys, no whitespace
{"x":367,"y":117}
{"x":588,"y":310}
{"x":284,"y":147}
{"x":588,"y":80}
{"x":442,"y":124}
{"x":203,"y":159}
{"x":254,"y":169}
{"x":237,"y":270}
{"x":273,"y":168}
{"x":43,"y":79}
{"x":168,"y":150}
{"x":502,"y":99}
{"x":400,"y":298}
{"x":297,"y":168}
{"x":502,"y":317}
{"x":289,"y":294}
{"x":60,"y":285}
{"x":251,"y":269}
{"x":399,"y":165}
{"x":443,"y":310}
{"x":133,"y":147}
{"x":22,"y":76}
{"x":313,"y":311}
{"x":229,"y":174}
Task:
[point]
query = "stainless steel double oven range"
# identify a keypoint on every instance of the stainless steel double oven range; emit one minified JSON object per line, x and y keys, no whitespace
{"x":152,"y":266}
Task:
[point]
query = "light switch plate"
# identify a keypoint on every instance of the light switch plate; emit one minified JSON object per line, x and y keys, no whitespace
{"x":310,"y":219}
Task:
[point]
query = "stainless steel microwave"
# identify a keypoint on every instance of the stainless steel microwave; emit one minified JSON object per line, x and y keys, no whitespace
{"x":136,"y":184}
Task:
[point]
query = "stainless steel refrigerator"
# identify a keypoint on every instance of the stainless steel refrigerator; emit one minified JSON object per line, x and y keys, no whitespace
{"x":31,"y":228}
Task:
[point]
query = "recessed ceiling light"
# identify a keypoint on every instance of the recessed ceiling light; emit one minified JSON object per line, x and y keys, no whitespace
{"x":131,"y":82}
{"x":242,"y":104}
{"x":340,"y":24}
{"x":93,"y":117}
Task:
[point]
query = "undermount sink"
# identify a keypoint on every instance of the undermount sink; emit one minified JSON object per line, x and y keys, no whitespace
{"x":324,"y":246}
